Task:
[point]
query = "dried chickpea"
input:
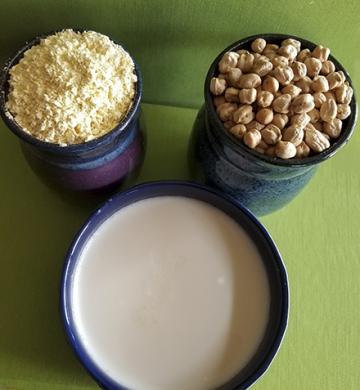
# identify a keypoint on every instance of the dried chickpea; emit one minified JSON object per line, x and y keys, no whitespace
{"x":344,"y":94}
{"x":333,"y":128}
{"x":238,"y":130}
{"x":314,"y":115}
{"x":319,"y":99}
{"x":280,"y":120}
{"x":233,"y":76}
{"x":254,"y":125}
{"x":280,"y":61}
{"x":335,"y":79}
{"x":303,"y":103}
{"x":271,"y":54}
{"x":242,"y":51}
{"x":247,"y":96}
{"x":282,"y":103}
{"x":284,"y":74}
{"x":225,"y":111}
{"x":310,"y":127}
{"x":299,"y":70}
{"x":270,"y":48}
{"x":264,"y":99}
{"x":260,"y":150}
{"x":327,"y":67}
{"x":292,"y":90}
{"x":250,"y":80}
{"x":270,"y":151}
{"x":320,"y":84}
{"x":232,"y":95}
{"x":318,"y":126}
{"x":328,"y":110}
{"x":316,"y":140}
{"x":293,"y":42}
{"x":245,"y":62}
{"x":330,"y":95}
{"x":265,"y":116}
{"x":244,"y":114}
{"x":229,"y":60}
{"x":293,"y":134}
{"x":288,"y":51}
{"x":261,"y":57}
{"x":218,"y":100}
{"x":229,"y":124}
{"x":263,"y":144}
{"x":315,"y":98}
{"x":217,"y":86}
{"x":270,"y":84}
{"x":343,"y":111}
{"x":304,"y":84}
{"x":285,"y":150}
{"x":252,"y":138}
{"x":271,"y":134}
{"x":303,"y":55}
{"x":258,"y":45}
{"x":326,"y":136}
{"x":262,"y":67}
{"x":321,"y":52}
{"x":313,"y":66}
{"x":302,"y":150}
{"x":300,"y":120}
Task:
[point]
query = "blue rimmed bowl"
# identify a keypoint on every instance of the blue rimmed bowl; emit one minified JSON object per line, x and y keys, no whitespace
{"x":93,"y":165}
{"x":260,"y":182}
{"x":277,"y":277}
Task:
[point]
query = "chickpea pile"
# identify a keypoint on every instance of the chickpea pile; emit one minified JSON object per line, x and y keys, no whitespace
{"x":281,"y":101}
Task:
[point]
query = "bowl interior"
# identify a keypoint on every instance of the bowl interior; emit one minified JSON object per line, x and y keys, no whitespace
{"x":16,"y":128}
{"x":269,"y":253}
{"x":348,"y":123}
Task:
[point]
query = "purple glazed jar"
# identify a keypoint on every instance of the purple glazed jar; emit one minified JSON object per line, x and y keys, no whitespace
{"x":93,"y":165}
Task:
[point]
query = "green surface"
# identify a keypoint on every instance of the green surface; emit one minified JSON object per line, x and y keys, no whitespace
{"x":318,"y":233}
{"x":174,"y":42}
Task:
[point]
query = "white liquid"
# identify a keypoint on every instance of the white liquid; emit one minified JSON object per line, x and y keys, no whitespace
{"x":170,"y":294}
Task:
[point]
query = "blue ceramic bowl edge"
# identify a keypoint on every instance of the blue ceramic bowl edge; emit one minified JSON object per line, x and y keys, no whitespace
{"x":65,"y":306}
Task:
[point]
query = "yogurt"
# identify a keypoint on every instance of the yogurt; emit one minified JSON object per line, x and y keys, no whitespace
{"x":170,"y":293}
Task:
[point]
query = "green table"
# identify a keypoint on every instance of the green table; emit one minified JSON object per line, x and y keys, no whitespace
{"x":317,"y":234}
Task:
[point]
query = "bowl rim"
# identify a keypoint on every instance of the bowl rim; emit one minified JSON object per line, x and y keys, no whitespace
{"x":155,"y":189}
{"x":238,"y":146}
{"x":53,"y":147}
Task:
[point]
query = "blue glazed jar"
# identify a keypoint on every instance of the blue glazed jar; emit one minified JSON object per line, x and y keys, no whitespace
{"x":98,"y":164}
{"x":260,"y":182}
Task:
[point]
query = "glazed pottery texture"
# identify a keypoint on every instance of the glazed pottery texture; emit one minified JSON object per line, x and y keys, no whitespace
{"x":259,"y":182}
{"x":93,"y":165}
